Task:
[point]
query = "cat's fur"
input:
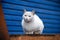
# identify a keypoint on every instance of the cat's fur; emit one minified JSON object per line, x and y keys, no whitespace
{"x":31,"y":23}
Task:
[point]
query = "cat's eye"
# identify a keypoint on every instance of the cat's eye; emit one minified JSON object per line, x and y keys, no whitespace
{"x":25,"y":15}
{"x":29,"y":16}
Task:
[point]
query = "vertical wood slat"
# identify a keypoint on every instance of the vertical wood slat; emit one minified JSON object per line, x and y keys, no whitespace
{"x":3,"y":28}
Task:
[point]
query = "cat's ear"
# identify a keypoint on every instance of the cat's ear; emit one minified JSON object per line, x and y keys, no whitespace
{"x":33,"y":12}
{"x":24,"y":10}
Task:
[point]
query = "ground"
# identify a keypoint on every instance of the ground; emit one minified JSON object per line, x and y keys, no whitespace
{"x":35,"y":37}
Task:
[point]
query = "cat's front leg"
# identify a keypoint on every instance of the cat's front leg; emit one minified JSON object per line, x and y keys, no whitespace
{"x":28,"y":32}
{"x":37,"y":32}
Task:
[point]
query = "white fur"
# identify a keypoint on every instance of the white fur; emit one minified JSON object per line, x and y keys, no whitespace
{"x":33,"y":26}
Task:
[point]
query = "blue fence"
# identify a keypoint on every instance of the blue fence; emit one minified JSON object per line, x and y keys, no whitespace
{"x":48,"y":11}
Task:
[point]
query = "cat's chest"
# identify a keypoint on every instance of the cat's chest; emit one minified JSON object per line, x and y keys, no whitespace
{"x":30,"y":26}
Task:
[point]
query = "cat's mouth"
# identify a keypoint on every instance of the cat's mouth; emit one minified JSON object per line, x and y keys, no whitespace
{"x":27,"y":21}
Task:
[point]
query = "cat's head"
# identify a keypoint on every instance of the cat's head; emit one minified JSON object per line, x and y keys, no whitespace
{"x":28,"y":16}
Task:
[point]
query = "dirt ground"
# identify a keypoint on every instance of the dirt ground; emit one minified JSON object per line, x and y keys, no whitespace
{"x":35,"y":37}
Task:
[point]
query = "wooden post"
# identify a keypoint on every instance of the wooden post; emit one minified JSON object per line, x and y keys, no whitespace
{"x":3,"y":27}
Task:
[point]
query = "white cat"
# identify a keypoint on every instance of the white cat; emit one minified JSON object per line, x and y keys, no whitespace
{"x":31,"y":23}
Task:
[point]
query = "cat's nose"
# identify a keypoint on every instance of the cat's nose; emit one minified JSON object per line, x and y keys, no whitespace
{"x":26,"y":19}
